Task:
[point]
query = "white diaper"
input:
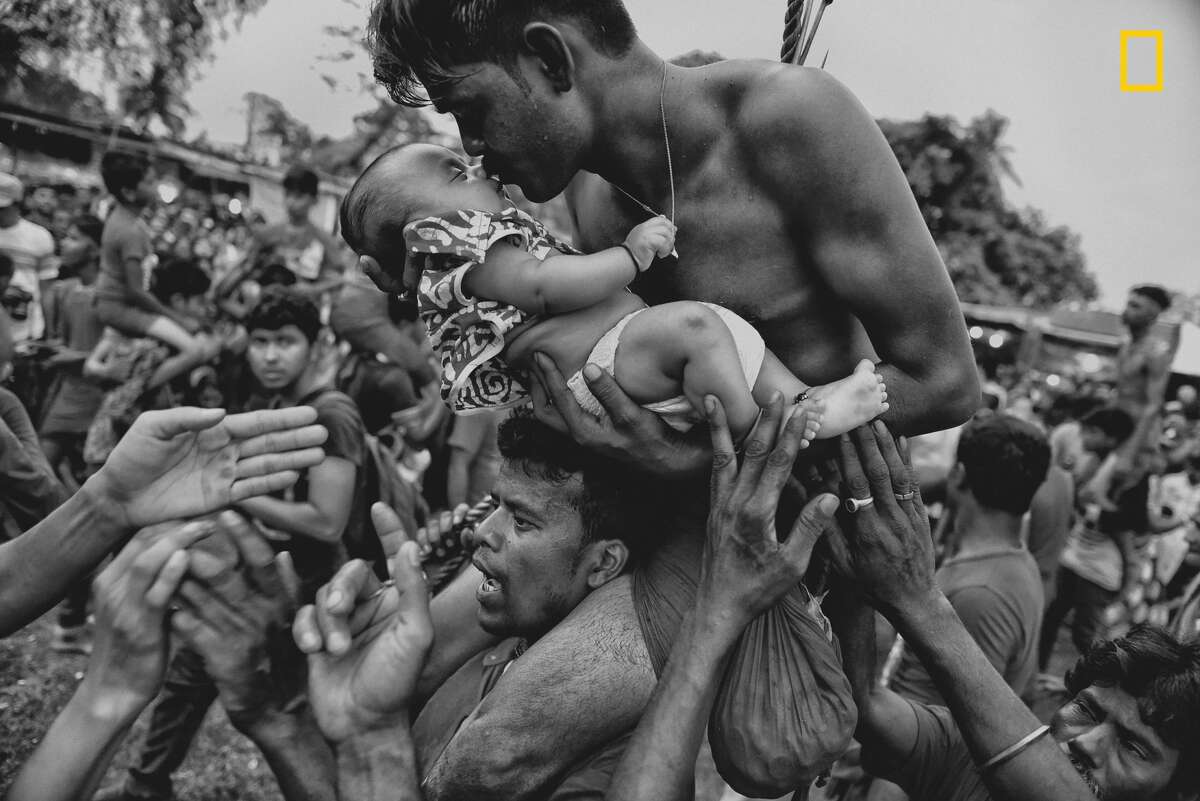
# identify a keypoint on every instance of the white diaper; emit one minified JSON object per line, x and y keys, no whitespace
{"x":677,"y":412}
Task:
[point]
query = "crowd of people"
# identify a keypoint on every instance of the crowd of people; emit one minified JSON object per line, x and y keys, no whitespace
{"x":446,"y":511}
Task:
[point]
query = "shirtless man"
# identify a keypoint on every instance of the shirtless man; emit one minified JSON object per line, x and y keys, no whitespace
{"x":791,"y":211}
{"x":1143,"y":363}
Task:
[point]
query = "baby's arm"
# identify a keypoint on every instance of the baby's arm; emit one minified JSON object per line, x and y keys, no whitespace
{"x":563,"y":283}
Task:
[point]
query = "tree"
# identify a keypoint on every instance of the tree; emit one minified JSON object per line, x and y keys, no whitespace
{"x":995,"y":253}
{"x":148,"y":48}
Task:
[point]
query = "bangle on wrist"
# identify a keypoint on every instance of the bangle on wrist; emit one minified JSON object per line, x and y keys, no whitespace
{"x":1014,"y":749}
{"x":637,"y":267}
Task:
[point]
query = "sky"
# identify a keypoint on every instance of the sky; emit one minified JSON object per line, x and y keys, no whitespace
{"x":1120,"y":168}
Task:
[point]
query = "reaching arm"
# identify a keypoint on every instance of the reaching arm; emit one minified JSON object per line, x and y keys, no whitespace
{"x":864,"y":235}
{"x":323,"y":516}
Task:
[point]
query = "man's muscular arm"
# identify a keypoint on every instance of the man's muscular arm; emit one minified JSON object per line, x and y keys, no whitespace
{"x":848,"y":206}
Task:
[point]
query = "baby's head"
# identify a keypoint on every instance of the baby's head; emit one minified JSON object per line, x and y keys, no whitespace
{"x":403,"y":185}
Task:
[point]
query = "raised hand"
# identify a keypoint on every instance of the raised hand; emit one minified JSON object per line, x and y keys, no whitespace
{"x":627,"y":432}
{"x":188,"y":462}
{"x":237,"y":617}
{"x":366,"y":642}
{"x":746,"y":568}
{"x":130,"y":653}
{"x":888,"y":546}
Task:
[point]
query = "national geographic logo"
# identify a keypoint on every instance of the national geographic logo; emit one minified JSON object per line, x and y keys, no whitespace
{"x":1141,"y":61}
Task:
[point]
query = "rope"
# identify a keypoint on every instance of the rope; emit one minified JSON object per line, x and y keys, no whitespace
{"x":800,"y":25}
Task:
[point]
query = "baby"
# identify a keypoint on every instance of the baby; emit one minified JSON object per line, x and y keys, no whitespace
{"x":495,"y":287}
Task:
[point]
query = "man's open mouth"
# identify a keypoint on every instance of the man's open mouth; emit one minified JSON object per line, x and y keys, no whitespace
{"x":489,"y":584}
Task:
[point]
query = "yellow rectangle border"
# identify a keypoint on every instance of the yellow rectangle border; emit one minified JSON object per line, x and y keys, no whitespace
{"x":1157,"y":86}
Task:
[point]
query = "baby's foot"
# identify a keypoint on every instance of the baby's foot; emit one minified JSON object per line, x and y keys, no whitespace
{"x":813,"y":410}
{"x":851,"y":402}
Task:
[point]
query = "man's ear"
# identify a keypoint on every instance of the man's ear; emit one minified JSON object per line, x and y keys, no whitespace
{"x":384,"y":280}
{"x":547,"y":44}
{"x":608,"y":562}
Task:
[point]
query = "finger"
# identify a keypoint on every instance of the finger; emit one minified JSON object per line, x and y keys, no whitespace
{"x":854,"y":480}
{"x":900,"y":475}
{"x":619,"y":406}
{"x":288,"y":577}
{"x":147,"y":552}
{"x":878,"y":476}
{"x":543,"y":409}
{"x":724,"y":469}
{"x":253,"y":424}
{"x":389,"y":527}
{"x":336,"y":601}
{"x":167,"y":581}
{"x":572,"y":414}
{"x":280,"y":442}
{"x":306,"y":631}
{"x":256,"y":553}
{"x":186,"y":625}
{"x":814,"y":519}
{"x":759,"y":444}
{"x":262,"y":485}
{"x":278,"y":462}
{"x":170,"y":423}
{"x":782,"y":459}
{"x":412,"y":590}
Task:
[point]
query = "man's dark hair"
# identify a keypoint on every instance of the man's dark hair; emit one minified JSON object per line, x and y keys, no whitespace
{"x":1114,"y":423}
{"x":615,"y":503}
{"x":415,"y":45}
{"x":279,"y":307}
{"x":1163,"y":674}
{"x":179,"y":277}
{"x":89,"y":225}
{"x":1155,"y":293}
{"x":300,"y":180}
{"x":1005,"y":460}
{"x":122,"y":171}
{"x":7,"y":266}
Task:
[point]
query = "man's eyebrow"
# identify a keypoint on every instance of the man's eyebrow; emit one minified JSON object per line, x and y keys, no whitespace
{"x":516,"y":504}
{"x":1125,"y":731}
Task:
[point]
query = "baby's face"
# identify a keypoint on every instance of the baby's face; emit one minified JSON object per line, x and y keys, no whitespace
{"x":444,"y":182}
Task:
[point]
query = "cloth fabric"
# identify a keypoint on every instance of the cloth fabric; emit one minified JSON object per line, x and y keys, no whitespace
{"x":126,"y":237}
{"x":939,"y":768}
{"x":453,"y":702}
{"x":1092,"y":551}
{"x":784,"y":712}
{"x":998,"y":597}
{"x":677,"y":412}
{"x":122,"y":405}
{"x":1049,"y":524}
{"x":315,"y":561}
{"x":467,"y":333}
{"x":74,"y":400}
{"x":1087,"y":601}
{"x":31,"y":247}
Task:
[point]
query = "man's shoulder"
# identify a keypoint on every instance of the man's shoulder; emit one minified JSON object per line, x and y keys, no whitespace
{"x":786,"y":103}
{"x":334,"y":405}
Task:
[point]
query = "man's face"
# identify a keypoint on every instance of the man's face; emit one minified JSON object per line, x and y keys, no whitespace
{"x":530,"y":551}
{"x":278,"y":358}
{"x":146,"y":193}
{"x":44,"y":200}
{"x":1115,"y":751}
{"x":195,"y":307}
{"x":76,"y":248}
{"x":298,"y":205}
{"x":1139,"y":311}
{"x":529,"y":135}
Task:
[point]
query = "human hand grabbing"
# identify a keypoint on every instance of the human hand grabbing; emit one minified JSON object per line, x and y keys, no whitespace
{"x":746,"y":568}
{"x":887,"y":545}
{"x":129,"y":657}
{"x":188,"y":462}
{"x":627,"y":432}
{"x":655,"y":238}
{"x":366,"y":642}
{"x":236,"y":615}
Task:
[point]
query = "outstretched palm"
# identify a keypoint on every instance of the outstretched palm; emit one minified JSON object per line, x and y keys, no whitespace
{"x":186,"y":462}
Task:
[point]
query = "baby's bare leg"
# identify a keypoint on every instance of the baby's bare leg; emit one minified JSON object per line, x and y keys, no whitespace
{"x":685,"y":348}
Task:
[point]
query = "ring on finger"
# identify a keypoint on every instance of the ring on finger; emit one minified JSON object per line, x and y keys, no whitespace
{"x":853,"y":505}
{"x":906,"y":496}
{"x":384,"y":587}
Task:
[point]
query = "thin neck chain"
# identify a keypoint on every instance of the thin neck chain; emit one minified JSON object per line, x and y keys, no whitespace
{"x":662,"y":114}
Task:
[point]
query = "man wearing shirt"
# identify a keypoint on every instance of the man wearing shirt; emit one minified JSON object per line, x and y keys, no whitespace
{"x":31,"y":247}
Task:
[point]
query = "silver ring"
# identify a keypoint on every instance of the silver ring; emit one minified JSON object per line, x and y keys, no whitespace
{"x":905,"y":496}
{"x":853,"y":505}
{"x":384,"y":587}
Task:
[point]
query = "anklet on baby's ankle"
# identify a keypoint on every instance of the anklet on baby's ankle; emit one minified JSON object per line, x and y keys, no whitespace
{"x":802,"y":397}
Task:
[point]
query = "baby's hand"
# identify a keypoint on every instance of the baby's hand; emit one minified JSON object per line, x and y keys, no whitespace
{"x":654,"y":237}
